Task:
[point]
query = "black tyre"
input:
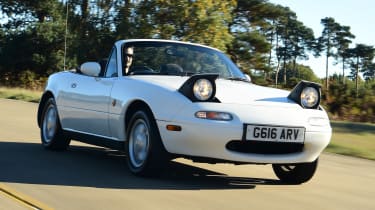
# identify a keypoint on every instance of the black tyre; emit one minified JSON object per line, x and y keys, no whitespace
{"x":51,"y":133}
{"x":295,"y":173}
{"x":146,"y":155}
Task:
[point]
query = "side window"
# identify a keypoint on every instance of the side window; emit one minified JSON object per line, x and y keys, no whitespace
{"x":112,"y":64}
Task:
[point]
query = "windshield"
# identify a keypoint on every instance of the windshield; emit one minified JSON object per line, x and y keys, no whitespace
{"x":168,"y":58}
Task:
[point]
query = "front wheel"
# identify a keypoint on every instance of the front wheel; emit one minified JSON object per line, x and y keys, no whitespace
{"x":51,"y":133}
{"x":145,"y":152}
{"x":295,"y":173}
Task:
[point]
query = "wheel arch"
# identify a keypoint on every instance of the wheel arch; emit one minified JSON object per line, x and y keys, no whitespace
{"x":133,"y":108}
{"x":46,"y":95}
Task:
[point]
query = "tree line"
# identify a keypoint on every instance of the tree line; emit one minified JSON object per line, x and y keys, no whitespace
{"x":264,"y":39}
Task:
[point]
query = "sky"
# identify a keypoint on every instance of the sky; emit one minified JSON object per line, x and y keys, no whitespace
{"x":358,"y":14}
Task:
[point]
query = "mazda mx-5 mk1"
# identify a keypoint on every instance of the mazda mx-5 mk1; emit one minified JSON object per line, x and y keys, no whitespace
{"x":157,"y":100}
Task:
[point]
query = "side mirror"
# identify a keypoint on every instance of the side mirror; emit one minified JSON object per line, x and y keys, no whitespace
{"x":90,"y":69}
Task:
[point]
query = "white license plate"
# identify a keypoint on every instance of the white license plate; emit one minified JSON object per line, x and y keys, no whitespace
{"x":275,"y":133}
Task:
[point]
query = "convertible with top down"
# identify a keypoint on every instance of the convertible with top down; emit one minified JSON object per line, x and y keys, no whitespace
{"x":157,"y":100}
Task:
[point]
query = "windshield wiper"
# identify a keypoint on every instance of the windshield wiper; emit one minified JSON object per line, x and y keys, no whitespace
{"x":237,"y":79}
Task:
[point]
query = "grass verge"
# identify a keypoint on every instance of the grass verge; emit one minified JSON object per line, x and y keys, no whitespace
{"x":353,"y":139}
{"x":20,"y":94}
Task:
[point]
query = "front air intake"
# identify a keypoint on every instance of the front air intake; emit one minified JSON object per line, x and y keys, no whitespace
{"x":263,"y":147}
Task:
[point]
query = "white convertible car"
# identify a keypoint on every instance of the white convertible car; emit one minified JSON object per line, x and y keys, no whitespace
{"x":158,"y":100}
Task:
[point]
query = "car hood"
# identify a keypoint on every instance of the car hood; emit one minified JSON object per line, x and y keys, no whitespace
{"x":227,"y":91}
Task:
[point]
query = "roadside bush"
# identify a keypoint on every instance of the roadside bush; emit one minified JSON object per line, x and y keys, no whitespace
{"x":343,"y":104}
{"x":24,"y":79}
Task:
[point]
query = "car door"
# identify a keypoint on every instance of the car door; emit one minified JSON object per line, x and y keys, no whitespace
{"x":86,"y":101}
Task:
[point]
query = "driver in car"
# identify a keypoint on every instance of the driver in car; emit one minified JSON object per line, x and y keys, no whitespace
{"x":128,"y":59}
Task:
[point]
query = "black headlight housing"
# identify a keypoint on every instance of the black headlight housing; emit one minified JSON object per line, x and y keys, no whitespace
{"x":200,"y":88}
{"x":306,"y":94}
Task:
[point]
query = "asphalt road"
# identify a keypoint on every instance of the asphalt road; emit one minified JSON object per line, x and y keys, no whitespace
{"x":87,"y":177}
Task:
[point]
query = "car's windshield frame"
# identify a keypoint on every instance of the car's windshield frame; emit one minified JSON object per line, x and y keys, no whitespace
{"x":152,"y":57}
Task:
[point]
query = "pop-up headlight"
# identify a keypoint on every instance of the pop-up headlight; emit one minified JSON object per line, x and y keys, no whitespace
{"x":200,"y":88}
{"x":307,"y":94}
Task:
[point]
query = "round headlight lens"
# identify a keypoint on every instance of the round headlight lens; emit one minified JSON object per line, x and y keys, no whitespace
{"x":309,"y":97}
{"x":202,"y":89}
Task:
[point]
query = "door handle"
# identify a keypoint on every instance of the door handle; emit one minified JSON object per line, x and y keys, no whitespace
{"x":73,"y":85}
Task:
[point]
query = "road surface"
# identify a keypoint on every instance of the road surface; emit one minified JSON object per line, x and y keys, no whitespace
{"x":87,"y":177}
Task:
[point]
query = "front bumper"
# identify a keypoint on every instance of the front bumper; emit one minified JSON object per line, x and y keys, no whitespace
{"x":209,"y":138}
